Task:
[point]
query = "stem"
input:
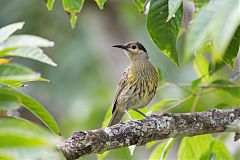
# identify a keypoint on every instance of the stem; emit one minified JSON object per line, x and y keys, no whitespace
{"x":176,"y":104}
{"x":197,"y":97}
{"x":220,"y":86}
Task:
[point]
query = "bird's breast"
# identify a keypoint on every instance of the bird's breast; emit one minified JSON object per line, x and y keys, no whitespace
{"x":143,"y":84}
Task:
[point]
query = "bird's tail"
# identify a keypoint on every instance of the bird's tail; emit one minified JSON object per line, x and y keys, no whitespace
{"x":116,"y":117}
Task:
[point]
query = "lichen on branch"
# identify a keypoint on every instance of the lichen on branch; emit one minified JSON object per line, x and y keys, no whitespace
{"x":155,"y":128}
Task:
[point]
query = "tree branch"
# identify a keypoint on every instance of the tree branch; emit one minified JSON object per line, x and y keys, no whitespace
{"x":155,"y":128}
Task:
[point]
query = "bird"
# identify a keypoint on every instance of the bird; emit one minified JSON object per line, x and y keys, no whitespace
{"x":137,"y":85}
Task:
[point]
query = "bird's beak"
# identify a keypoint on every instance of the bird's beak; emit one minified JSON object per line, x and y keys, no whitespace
{"x":121,"y":46}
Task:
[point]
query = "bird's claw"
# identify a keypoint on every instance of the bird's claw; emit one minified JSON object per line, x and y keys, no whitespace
{"x":139,"y":122}
{"x":148,"y":117}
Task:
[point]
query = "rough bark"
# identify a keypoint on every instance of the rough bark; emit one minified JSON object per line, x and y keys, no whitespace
{"x":155,"y":128}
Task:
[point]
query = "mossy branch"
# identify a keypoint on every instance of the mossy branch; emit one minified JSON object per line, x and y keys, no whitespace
{"x":157,"y":127}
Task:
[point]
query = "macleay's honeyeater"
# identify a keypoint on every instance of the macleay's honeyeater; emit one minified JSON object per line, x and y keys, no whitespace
{"x":138,"y":84}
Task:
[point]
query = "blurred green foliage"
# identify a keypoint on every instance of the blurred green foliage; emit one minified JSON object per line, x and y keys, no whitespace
{"x":207,"y":147}
{"x":17,"y":135}
{"x":88,"y":68}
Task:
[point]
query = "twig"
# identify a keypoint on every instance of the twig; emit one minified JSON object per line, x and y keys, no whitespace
{"x":176,"y":104}
{"x":197,"y":97}
{"x":220,"y":86}
{"x":155,"y":128}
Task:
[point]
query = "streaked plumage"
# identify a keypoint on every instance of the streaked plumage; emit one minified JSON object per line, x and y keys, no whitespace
{"x":138,"y":84}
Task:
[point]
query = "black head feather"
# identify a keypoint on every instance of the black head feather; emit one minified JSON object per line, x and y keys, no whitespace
{"x":141,"y":47}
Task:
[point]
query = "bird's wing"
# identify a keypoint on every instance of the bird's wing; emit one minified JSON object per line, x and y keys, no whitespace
{"x":121,"y":85}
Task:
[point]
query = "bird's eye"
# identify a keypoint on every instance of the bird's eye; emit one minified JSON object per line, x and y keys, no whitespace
{"x":134,"y":47}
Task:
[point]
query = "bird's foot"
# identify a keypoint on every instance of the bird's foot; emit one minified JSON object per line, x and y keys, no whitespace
{"x":139,"y":122}
{"x":153,"y":115}
{"x":148,"y":117}
{"x":144,"y":115}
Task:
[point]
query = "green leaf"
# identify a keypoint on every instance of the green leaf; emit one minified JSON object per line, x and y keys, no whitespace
{"x":50,"y":4}
{"x":161,"y":151}
{"x":195,"y":147}
{"x":198,"y":31}
{"x":222,"y":106}
{"x":151,"y":144}
{"x":140,"y":4}
{"x":232,"y":50}
{"x":37,"y":109}
{"x":31,"y":153}
{"x":6,"y":31}
{"x":31,"y":53}
{"x":164,"y":34}
{"x":72,"y":8}
{"x":220,"y":151}
{"x":233,"y":91}
{"x":107,"y":117}
{"x":5,"y":156}
{"x":136,"y":115}
{"x":173,"y":6}
{"x":202,"y":147}
{"x":101,"y":3}
{"x":209,"y":24}
{"x":226,"y":22}
{"x":44,"y":80}
{"x":10,"y":72}
{"x":25,"y":41}
{"x":215,"y":66}
{"x":159,"y":105}
{"x":20,"y":139}
{"x":195,"y":83}
{"x":201,"y":67}
{"x":19,"y":83}
{"x":11,"y":138}
{"x":17,"y":132}
{"x":200,"y":3}
{"x":13,"y":83}
{"x":8,"y":99}
{"x":102,"y":155}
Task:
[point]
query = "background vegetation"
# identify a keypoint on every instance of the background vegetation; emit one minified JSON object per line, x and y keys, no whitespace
{"x":198,"y":62}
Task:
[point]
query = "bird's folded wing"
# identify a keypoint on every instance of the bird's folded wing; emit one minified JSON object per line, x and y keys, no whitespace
{"x":121,"y":85}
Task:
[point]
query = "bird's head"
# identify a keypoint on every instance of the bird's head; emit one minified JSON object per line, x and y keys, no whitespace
{"x":134,"y":50}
